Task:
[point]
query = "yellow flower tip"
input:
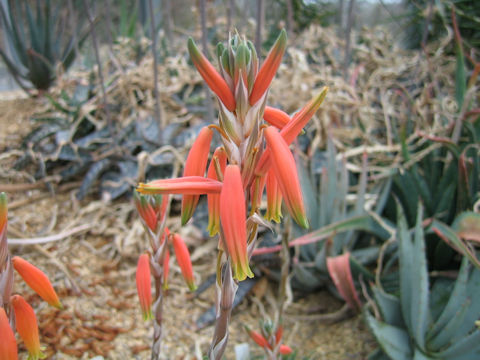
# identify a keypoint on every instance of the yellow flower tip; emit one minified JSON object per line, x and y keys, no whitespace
{"x":242,"y":271}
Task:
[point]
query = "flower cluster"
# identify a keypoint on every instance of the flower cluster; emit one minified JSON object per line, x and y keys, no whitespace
{"x":268,"y":340}
{"x":255,"y":152}
{"x":15,"y":312}
{"x":254,"y":158}
{"x":152,"y":212}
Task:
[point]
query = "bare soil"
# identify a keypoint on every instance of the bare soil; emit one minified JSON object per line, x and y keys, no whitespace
{"x":93,"y":270}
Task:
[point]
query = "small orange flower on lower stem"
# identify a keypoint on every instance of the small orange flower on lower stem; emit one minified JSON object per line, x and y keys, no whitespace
{"x":183,"y":259}
{"x":258,"y":338}
{"x":8,"y":345}
{"x":233,"y":220}
{"x":27,"y":328}
{"x":145,"y":210}
{"x":37,"y":280}
{"x":285,"y":350}
{"x":144,"y":288}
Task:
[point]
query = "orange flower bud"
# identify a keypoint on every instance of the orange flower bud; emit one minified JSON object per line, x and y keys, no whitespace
{"x":214,"y":199}
{"x":193,"y":185}
{"x":291,"y":130}
{"x":26,"y":325}
{"x":146,"y":211}
{"x":213,"y":79}
{"x":258,"y":338}
{"x":37,"y":280}
{"x":275,"y":117}
{"x":8,"y":345}
{"x":183,"y":259}
{"x":285,"y":170}
{"x":278,"y":334}
{"x":195,"y":165}
{"x":269,"y":68}
{"x":285,"y":350}
{"x":144,"y":287}
{"x":232,"y":217}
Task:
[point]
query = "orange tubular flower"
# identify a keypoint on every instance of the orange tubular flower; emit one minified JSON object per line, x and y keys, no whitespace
{"x":8,"y":345}
{"x":274,"y":198}
{"x":193,"y":185}
{"x":214,"y":199}
{"x":285,"y":350}
{"x":146,"y":211}
{"x":37,"y":280}
{"x":183,"y":259}
{"x":144,"y":288}
{"x":211,"y":76}
{"x":27,"y":328}
{"x":232,"y":217}
{"x":258,"y":338}
{"x":294,"y":127}
{"x":275,"y":117}
{"x":195,"y":166}
{"x":291,"y":130}
{"x":269,"y":68}
{"x":283,"y":165}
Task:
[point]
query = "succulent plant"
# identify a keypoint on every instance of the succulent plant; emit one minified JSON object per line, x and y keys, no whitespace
{"x":32,"y":57}
{"x":69,"y":142}
{"x":336,"y":219}
{"x":428,"y":318}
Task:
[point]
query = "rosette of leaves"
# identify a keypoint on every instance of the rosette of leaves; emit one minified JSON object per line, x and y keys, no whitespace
{"x":444,"y":175}
{"x":36,"y":42}
{"x":428,"y":317}
{"x":338,"y":218}
{"x":74,"y":144}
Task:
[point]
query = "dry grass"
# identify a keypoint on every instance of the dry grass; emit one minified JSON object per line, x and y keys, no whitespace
{"x":94,"y":269}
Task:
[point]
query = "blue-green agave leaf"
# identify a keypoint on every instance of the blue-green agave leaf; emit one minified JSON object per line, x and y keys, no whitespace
{"x":394,"y":341}
{"x":389,"y":306}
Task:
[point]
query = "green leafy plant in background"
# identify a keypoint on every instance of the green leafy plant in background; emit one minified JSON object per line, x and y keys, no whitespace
{"x":36,"y":44}
{"x":428,"y":317}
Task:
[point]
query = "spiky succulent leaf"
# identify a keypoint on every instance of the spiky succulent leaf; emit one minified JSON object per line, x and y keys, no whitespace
{"x":394,"y":341}
{"x":413,"y":278}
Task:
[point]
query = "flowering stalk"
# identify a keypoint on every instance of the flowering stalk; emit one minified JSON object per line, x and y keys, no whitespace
{"x":152,"y":211}
{"x":14,"y":310}
{"x":251,"y":149}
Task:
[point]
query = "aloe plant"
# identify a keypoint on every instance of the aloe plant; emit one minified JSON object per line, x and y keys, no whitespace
{"x":34,"y":51}
{"x":428,"y":318}
{"x":336,"y":219}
